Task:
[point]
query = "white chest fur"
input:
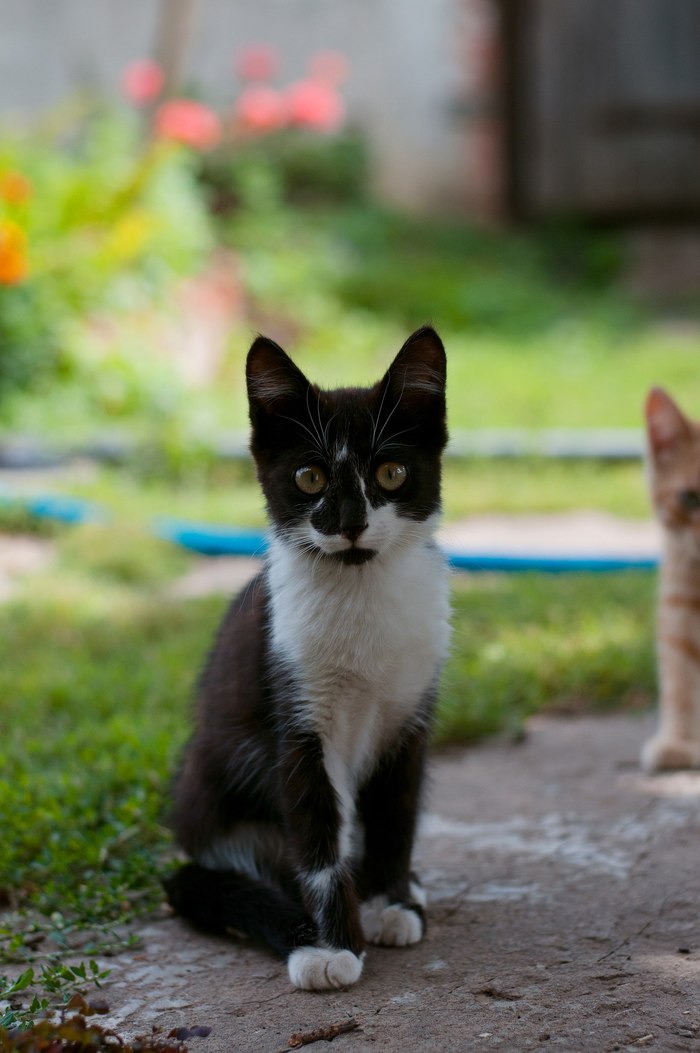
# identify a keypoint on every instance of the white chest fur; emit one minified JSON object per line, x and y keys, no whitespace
{"x":365,"y":642}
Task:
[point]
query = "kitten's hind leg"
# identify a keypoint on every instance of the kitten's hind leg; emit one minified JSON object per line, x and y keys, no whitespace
{"x":217,"y":900}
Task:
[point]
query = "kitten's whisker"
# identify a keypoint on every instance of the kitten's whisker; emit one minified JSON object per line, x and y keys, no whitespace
{"x":396,"y":406}
{"x":327,"y":426}
{"x":299,"y":424}
{"x":381,"y":407}
{"x":319,"y":437}
{"x":389,"y":442}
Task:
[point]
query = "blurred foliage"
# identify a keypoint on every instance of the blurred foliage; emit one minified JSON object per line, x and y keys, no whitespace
{"x":289,"y":167}
{"x":109,"y":220}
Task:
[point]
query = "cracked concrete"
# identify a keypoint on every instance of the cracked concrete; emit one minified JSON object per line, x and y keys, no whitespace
{"x":563,"y":914}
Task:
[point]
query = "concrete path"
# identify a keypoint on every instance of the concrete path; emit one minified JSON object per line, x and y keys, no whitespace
{"x":564,"y":913}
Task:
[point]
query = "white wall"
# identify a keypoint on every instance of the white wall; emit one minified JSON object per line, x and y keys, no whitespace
{"x":407,"y":67}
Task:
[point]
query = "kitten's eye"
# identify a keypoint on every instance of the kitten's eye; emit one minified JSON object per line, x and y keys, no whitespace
{"x":391,"y":475}
{"x":310,"y":480}
{"x":689,"y":500}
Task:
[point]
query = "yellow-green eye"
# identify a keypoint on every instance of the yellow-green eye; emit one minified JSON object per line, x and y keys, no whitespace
{"x":391,"y":475}
{"x":310,"y":480}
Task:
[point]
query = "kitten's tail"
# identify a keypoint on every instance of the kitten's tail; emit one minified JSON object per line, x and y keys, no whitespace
{"x":217,"y":900}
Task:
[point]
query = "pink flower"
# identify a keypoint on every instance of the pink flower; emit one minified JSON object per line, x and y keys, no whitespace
{"x":329,"y":66}
{"x":257,"y":62}
{"x":261,"y":109}
{"x":314,"y":104}
{"x":142,"y":81}
{"x":189,"y":122}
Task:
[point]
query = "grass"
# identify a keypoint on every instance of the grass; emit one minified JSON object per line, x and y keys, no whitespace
{"x":97,"y":664}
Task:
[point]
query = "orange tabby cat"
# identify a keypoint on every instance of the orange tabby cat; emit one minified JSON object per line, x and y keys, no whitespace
{"x":674,"y":468}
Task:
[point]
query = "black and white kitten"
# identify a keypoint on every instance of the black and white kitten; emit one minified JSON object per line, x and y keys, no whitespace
{"x":299,"y":790}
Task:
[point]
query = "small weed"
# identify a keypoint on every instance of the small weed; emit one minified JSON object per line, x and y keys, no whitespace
{"x":52,"y":988}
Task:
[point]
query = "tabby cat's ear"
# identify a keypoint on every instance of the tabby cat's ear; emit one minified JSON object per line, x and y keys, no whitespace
{"x":417,"y":375}
{"x":666,"y":425}
{"x":272,"y":378}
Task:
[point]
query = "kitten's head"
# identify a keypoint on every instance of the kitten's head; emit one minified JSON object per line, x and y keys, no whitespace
{"x":674,"y":462}
{"x":350,"y":473}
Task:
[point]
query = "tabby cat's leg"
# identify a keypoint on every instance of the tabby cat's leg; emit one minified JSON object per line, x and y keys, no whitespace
{"x":393,"y":909}
{"x":315,"y":828}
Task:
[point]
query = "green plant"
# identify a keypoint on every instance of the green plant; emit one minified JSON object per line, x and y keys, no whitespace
{"x":108,"y":224}
{"x":55,"y":986}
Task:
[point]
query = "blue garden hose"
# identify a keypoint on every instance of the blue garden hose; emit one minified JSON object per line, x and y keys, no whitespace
{"x":238,"y":541}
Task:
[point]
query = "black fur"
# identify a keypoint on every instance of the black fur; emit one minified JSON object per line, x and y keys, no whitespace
{"x":251,"y":765}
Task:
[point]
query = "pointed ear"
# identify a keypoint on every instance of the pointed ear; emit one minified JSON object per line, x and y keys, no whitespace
{"x":271,"y":376}
{"x":418,"y":373}
{"x":666,"y":425}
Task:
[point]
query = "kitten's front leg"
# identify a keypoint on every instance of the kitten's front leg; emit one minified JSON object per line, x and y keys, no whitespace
{"x":677,"y":742}
{"x":313,"y":824}
{"x":393,"y":909}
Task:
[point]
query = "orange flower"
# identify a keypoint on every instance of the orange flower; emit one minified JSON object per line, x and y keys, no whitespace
{"x":14,"y":187}
{"x":13,"y":253}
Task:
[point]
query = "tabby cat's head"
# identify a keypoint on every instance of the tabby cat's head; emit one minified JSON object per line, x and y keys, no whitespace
{"x":350,"y":473}
{"x":674,"y":461}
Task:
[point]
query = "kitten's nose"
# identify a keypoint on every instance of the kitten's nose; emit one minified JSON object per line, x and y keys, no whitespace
{"x":352,"y":531}
{"x":353,"y":520}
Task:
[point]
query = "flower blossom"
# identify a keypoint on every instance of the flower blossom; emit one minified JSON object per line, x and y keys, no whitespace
{"x":13,"y":253}
{"x":189,"y":122}
{"x":257,"y":62}
{"x":142,"y":81}
{"x":14,"y":188}
{"x":315,"y":104}
{"x":260,"y":108}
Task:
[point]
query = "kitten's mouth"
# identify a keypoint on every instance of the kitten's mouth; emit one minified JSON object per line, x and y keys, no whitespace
{"x":354,"y":556}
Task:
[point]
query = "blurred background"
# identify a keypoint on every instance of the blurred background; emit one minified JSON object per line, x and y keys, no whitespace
{"x":176,"y":175}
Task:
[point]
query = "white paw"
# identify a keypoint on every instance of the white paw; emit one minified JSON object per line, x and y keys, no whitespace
{"x":320,"y":969}
{"x":389,"y":926}
{"x":663,"y":752}
{"x":370,"y":917}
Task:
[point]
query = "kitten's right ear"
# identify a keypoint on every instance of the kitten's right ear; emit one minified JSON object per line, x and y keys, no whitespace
{"x":271,"y":377}
{"x":666,"y":425}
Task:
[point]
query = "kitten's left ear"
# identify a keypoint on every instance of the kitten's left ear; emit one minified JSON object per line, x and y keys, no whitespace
{"x":417,"y":375}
